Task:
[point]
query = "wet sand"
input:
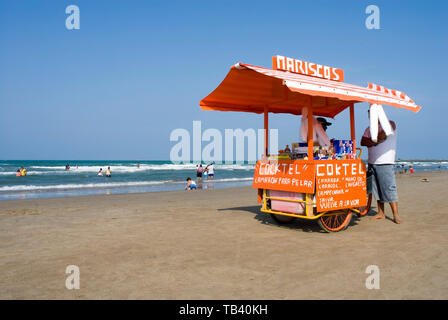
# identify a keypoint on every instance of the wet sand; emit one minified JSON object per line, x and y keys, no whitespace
{"x":216,"y":244}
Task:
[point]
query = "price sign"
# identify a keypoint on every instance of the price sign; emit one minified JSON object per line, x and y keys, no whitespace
{"x":340,"y":184}
{"x":290,"y":175}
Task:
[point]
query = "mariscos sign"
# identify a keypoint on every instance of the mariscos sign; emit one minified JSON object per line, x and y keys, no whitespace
{"x":307,"y":68}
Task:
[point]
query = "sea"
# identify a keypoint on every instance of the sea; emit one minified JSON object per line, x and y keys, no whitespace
{"x":50,"y":179}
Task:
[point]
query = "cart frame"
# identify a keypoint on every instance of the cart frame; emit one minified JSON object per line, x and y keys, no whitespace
{"x":310,"y":213}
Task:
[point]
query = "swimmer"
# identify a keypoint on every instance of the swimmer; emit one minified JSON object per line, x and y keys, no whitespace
{"x":22,"y":171}
{"x":108,"y":173}
{"x":100,"y":173}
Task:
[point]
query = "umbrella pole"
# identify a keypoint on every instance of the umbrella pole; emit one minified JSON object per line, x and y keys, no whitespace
{"x":266,"y":125}
{"x":352,"y":126}
{"x":309,"y":197}
{"x":310,"y":130}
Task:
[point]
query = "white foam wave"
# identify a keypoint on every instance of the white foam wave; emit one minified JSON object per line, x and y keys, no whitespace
{"x":230,"y":179}
{"x":79,"y":186}
{"x":133,"y":169}
{"x":105,"y":185}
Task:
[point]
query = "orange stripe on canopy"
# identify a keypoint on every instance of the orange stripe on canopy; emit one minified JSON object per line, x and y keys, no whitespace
{"x":249,"y":88}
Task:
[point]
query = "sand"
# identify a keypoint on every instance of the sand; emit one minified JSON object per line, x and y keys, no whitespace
{"x":215,"y":244}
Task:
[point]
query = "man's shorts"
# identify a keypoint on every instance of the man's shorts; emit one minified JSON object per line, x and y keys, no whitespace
{"x":381,"y":182}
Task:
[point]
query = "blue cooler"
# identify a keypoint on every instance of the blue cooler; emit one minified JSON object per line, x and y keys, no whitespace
{"x":343,"y":147}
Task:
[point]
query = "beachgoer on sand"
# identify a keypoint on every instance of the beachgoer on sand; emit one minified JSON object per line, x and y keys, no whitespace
{"x":191,"y":185}
{"x":411,"y":170}
{"x":380,"y":172}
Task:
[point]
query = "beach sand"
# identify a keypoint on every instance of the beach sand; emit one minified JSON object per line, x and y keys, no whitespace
{"x":215,"y":244}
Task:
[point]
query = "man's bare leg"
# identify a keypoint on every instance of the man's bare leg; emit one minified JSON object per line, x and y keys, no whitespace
{"x":380,"y":214}
{"x":394,"y":207}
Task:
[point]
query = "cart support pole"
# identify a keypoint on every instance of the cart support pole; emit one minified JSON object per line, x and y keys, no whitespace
{"x":352,"y":126}
{"x":309,"y":196}
{"x":310,"y":131}
{"x":266,"y":130}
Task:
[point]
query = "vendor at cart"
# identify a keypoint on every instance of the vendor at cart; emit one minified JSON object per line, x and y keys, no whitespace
{"x":324,"y":123}
{"x":320,"y":126}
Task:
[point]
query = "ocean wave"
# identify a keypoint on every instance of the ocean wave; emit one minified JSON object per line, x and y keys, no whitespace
{"x":106,"y":185}
{"x":134,"y":169}
{"x":230,"y":179}
{"x":79,"y":186}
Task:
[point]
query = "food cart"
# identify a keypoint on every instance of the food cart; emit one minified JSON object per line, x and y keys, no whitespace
{"x":313,"y":187}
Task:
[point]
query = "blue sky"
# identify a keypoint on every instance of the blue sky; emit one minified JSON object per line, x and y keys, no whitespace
{"x":136,"y":70}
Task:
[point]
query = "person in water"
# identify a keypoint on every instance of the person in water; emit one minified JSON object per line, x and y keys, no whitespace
{"x":211,"y":171}
{"x":67,"y":167}
{"x":191,"y":185}
{"x":23,"y":171}
{"x":19,"y":174}
{"x":108,"y":173}
{"x":199,"y":171}
{"x":100,"y":173}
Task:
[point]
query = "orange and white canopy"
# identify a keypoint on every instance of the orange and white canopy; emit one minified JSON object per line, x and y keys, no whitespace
{"x":249,"y":88}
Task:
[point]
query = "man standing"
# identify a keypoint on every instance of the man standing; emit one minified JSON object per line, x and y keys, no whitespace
{"x":380,"y":171}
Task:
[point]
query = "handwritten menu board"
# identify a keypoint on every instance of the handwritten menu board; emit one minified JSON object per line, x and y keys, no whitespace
{"x":287,"y":175}
{"x":340,"y":184}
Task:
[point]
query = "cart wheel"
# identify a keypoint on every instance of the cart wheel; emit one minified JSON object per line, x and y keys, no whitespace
{"x":335,"y":223}
{"x":364,"y":210}
{"x":282,"y":219}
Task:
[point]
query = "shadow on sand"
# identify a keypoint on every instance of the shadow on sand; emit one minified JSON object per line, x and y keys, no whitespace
{"x":298,"y":224}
